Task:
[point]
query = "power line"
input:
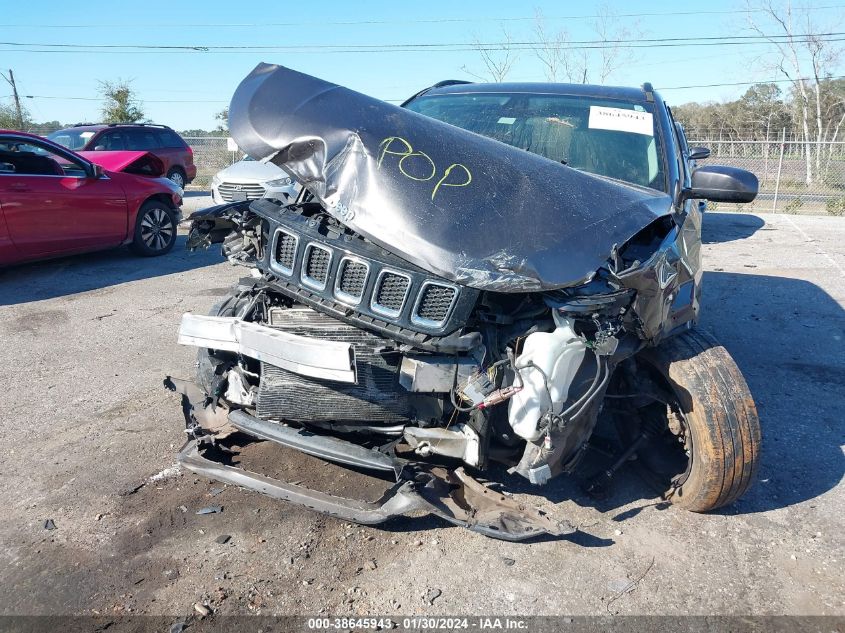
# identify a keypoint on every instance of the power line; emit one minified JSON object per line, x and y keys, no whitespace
{"x":457,"y":49}
{"x":409,"y":21}
{"x":145,"y":100}
{"x":751,"y":83}
{"x":661,"y":88}
{"x":15,"y":97}
{"x":716,"y":40}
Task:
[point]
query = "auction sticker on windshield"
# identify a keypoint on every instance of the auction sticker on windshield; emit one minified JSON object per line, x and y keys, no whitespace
{"x":621,"y":120}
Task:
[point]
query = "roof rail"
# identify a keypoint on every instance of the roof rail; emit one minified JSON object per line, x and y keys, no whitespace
{"x":83,"y":124}
{"x":140,"y":125}
{"x":449,"y":82}
{"x":439,"y":84}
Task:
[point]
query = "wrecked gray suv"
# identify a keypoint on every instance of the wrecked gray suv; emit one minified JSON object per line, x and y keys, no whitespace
{"x":477,"y":278}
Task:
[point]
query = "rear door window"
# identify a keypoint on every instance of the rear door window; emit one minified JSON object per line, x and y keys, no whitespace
{"x":111,"y":141}
{"x":170,"y":139}
{"x":142,"y":140}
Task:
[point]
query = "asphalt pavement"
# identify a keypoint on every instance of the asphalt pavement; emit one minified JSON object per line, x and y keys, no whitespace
{"x":96,"y":519}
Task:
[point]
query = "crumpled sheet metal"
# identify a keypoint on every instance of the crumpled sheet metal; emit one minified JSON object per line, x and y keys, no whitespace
{"x":460,"y":205}
{"x":668,"y":284}
{"x":451,"y":495}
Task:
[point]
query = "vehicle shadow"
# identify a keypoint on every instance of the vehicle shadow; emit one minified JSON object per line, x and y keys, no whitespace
{"x":788,"y":338}
{"x":81,"y":273}
{"x":726,"y":227}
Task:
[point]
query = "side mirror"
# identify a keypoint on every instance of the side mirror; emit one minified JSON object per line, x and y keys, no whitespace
{"x":97,"y":171}
{"x":99,"y":148}
{"x":720,"y":183}
{"x":699,"y":153}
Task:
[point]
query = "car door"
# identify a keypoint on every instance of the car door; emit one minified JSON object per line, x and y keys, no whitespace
{"x":53,"y":202}
{"x":110,"y":141}
{"x":689,"y":162}
{"x":8,"y":251}
{"x":173,"y":150}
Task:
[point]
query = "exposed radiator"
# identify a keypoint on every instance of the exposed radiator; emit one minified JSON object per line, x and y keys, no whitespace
{"x":377,"y":397}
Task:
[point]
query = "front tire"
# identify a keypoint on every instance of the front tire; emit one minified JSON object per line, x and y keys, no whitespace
{"x":711,"y":418}
{"x":155,"y":229}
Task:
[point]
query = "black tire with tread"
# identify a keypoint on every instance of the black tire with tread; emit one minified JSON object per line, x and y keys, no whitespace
{"x":720,"y":415}
{"x":205,"y":366}
{"x":138,"y":246}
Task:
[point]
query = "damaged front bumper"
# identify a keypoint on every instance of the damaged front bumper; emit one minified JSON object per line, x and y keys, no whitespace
{"x":306,"y":356}
{"x":449,"y":494}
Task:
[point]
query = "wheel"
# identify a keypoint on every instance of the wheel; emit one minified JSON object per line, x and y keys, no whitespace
{"x":702,"y":430}
{"x":228,"y":306}
{"x":155,"y":229}
{"x":177,"y":176}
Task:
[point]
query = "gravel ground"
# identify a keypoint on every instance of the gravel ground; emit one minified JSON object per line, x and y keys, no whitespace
{"x":90,"y":435}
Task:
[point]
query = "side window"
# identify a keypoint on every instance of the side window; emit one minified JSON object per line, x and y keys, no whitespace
{"x":31,"y":159}
{"x":170,"y":139}
{"x":678,"y":140}
{"x":142,"y":140}
{"x":110,"y":141}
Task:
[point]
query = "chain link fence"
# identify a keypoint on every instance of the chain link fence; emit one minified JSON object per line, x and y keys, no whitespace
{"x":795,"y":177}
{"x":211,"y":154}
{"x":781,"y":168}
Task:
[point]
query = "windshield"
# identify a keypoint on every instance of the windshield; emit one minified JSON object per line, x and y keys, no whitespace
{"x":72,"y":139}
{"x":607,"y":137}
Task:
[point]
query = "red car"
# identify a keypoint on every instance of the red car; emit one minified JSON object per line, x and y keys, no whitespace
{"x":160,"y":140}
{"x":55,"y":202}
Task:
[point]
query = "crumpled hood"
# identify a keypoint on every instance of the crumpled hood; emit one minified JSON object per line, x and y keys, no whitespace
{"x":462,"y":206}
{"x":142,"y":163}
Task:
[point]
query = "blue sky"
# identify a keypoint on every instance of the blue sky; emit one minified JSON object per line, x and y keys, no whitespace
{"x":185,"y":89}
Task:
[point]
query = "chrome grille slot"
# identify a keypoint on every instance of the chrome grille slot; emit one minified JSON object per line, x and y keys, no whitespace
{"x":356,"y":281}
{"x":315,"y":266}
{"x":351,"y":279}
{"x":285,"y":254}
{"x":434,"y":304}
{"x":230,"y":190}
{"x":391,"y":290}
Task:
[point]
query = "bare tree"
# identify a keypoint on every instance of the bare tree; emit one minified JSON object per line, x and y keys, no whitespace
{"x":613,"y":33}
{"x":803,"y":57}
{"x":562,"y":58}
{"x":498,"y":58}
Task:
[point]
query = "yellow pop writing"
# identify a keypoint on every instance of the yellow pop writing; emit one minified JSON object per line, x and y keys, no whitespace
{"x":448,"y":171}
{"x":400,"y":147}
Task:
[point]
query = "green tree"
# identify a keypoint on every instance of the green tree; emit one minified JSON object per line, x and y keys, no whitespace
{"x":223,"y":118}
{"x":9,"y":117}
{"x":764,"y":112}
{"x":120,"y":103}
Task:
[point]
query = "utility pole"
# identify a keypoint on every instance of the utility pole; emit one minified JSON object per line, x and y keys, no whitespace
{"x":11,"y":81}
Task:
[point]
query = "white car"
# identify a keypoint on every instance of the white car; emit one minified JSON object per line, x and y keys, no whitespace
{"x":249,"y":179}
